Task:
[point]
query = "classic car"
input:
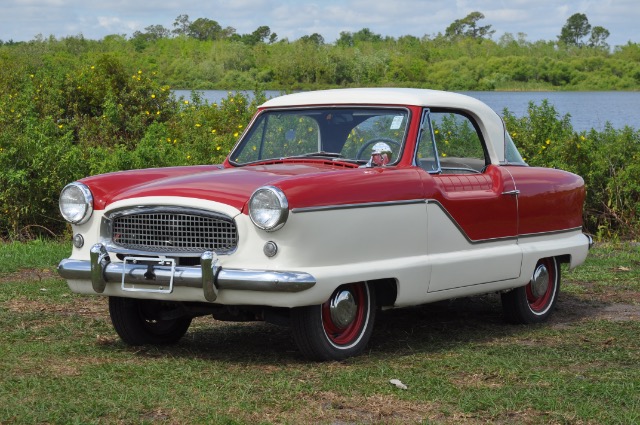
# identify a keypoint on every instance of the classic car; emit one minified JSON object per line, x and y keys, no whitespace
{"x":332,"y":206}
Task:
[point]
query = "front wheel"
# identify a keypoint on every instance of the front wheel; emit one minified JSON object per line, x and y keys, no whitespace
{"x":534,"y":302}
{"x":339,"y":328}
{"x":142,"y":322}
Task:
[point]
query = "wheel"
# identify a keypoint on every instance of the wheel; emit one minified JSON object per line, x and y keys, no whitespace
{"x":141,"y":322}
{"x":534,"y":302}
{"x":339,"y":328}
{"x":373,"y":141}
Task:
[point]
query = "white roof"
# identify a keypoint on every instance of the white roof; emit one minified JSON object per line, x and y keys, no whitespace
{"x":488,"y":120}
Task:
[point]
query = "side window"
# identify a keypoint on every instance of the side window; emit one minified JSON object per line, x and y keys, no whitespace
{"x":458,"y":145}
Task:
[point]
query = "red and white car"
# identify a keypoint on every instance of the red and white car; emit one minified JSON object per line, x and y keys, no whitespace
{"x":332,"y":205}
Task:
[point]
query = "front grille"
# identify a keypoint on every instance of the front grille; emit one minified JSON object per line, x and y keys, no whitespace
{"x":183,"y":231}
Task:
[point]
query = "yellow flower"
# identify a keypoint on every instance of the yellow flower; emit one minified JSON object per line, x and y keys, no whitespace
{"x":239,"y":125}
{"x":444,"y":154}
{"x":186,"y":102}
{"x":198,"y":125}
{"x":548,"y":142}
{"x":188,"y":156}
{"x":514,"y":134}
{"x":153,"y":96}
{"x":254,"y":148}
{"x":218,"y":148}
{"x":59,"y":125}
{"x":437,"y":132}
{"x":139,"y":72}
{"x":583,"y":138}
{"x":235,"y":134}
{"x":213,"y":131}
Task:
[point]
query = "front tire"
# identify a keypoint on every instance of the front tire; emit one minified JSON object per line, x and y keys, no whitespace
{"x":147,"y":322}
{"x":339,"y":328}
{"x":534,"y":302}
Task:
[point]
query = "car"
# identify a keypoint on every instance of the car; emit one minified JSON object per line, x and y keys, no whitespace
{"x":332,"y":206}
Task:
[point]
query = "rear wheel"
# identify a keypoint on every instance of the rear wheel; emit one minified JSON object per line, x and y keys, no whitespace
{"x":534,"y":302}
{"x":141,"y":322}
{"x":339,"y":328}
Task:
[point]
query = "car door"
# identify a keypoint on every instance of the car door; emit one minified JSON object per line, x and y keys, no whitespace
{"x":472,"y":208}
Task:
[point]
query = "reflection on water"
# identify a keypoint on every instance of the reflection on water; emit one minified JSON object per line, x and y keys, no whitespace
{"x":587,"y":109}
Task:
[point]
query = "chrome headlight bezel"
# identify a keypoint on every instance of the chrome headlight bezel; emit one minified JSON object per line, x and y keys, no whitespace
{"x":268,"y":208}
{"x":76,"y":203}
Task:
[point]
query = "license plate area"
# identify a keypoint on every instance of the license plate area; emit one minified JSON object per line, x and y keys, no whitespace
{"x":148,"y":274}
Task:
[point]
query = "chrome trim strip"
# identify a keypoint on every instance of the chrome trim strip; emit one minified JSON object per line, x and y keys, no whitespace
{"x":207,"y":276}
{"x":552,"y":232}
{"x":354,"y":206}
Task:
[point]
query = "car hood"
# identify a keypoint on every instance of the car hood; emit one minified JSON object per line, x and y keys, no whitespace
{"x":232,"y":186}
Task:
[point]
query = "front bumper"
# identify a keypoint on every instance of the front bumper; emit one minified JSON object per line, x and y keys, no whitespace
{"x":161,"y":275}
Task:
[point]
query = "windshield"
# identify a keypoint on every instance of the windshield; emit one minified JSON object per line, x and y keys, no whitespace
{"x":347,"y":134}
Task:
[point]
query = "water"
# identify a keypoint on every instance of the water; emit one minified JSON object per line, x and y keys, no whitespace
{"x":587,"y":109}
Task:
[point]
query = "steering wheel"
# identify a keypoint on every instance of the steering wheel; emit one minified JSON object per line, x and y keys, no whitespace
{"x":373,"y":141}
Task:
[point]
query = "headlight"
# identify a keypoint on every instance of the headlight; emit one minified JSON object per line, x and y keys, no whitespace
{"x":268,"y":208}
{"x":76,"y":203}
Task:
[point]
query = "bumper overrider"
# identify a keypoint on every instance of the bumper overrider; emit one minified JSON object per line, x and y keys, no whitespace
{"x":161,"y":275}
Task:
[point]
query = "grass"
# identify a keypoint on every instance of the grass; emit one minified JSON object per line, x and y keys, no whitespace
{"x":61,"y":361}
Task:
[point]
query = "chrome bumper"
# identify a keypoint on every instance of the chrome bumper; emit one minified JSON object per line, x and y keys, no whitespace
{"x":162,"y":275}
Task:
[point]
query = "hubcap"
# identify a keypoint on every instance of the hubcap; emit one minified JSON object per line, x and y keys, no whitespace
{"x":343,"y":309}
{"x":540,"y":281}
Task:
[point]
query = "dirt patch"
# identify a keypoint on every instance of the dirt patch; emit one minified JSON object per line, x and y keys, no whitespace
{"x":30,"y":275}
{"x":89,"y":307}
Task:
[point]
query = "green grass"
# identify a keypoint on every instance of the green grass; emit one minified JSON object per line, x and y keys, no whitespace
{"x":61,"y":361}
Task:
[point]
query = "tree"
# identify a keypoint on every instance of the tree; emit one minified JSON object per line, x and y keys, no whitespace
{"x":181,"y":25}
{"x":468,"y":27}
{"x":314,"y":38}
{"x":345,"y":39}
{"x":205,"y":29}
{"x":575,"y":29}
{"x":598,"y":37}
{"x":366,"y":35}
{"x":260,"y":35}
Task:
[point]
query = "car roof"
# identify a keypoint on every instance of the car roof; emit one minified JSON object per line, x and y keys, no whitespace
{"x":488,"y":120}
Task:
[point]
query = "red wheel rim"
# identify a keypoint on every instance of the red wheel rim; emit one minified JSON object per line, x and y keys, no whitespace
{"x":346,"y":335}
{"x":540,"y":303}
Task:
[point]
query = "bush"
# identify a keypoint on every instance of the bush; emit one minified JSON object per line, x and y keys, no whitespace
{"x":63,"y":123}
{"x":608,"y":161}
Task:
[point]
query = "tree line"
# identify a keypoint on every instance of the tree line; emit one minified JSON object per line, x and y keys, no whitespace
{"x":202,"y":54}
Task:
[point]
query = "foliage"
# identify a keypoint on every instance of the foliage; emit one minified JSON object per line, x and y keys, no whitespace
{"x":468,"y":27}
{"x":608,"y":161}
{"x":63,"y":120}
{"x":578,"y":27}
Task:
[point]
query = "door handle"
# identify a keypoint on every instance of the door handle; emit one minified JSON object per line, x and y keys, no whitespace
{"x":514,"y":192}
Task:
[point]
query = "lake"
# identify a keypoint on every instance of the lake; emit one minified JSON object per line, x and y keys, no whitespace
{"x":587,"y":109}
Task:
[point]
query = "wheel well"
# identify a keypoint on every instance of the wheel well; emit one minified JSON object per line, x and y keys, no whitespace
{"x":386,"y":291}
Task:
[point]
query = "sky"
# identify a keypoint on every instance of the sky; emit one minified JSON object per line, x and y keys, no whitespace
{"x":24,"y":20}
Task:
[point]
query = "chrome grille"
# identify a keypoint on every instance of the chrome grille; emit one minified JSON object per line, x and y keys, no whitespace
{"x":174,"y":231}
